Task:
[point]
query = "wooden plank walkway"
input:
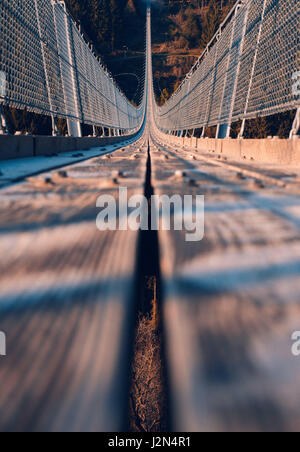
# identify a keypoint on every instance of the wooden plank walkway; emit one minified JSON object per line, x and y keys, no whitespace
{"x":67,"y":299}
{"x":232,"y":300}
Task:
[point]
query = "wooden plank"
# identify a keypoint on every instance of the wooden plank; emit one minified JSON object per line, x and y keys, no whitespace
{"x":67,"y":299}
{"x":231,"y":301}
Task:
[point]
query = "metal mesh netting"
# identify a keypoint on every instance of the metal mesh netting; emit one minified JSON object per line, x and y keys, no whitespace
{"x":247,"y":70}
{"x":50,"y":69}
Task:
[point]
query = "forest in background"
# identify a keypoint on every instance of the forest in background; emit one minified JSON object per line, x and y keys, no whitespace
{"x":181,"y":29}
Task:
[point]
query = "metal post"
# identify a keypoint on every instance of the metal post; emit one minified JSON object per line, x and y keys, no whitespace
{"x":238,"y":67}
{"x":74,"y":126}
{"x":3,"y":89}
{"x":58,"y":41}
{"x":209,"y":103}
{"x":54,"y":128}
{"x":55,"y":132}
{"x":128,"y":115}
{"x":3,"y":123}
{"x":117,"y":109}
{"x":241,"y":134}
{"x":296,"y":125}
{"x":223,"y":130}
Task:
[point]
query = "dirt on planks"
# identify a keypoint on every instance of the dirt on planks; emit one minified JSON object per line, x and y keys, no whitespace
{"x":147,"y":397}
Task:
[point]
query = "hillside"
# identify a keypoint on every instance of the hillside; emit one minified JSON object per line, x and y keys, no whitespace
{"x":181,"y":30}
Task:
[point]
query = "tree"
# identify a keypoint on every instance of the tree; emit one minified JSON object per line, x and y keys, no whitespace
{"x":211,"y":22}
{"x":192,"y":28}
{"x":164,"y":96}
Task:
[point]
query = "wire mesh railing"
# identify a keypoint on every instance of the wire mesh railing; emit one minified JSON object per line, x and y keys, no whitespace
{"x":47,"y":67}
{"x":248,"y":70}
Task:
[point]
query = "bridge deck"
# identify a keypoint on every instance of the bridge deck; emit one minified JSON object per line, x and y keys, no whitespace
{"x":231,"y":300}
{"x":16,"y":170}
{"x":67,"y":300}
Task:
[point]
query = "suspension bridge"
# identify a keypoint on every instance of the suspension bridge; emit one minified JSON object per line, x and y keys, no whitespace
{"x":69,"y":293}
